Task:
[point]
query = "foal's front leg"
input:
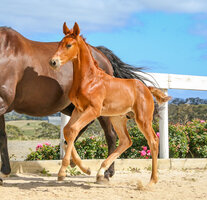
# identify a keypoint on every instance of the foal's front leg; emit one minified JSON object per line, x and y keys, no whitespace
{"x":77,"y":122}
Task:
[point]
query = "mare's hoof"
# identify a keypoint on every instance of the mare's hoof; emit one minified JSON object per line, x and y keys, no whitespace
{"x":102,"y":180}
{"x":2,"y":175}
{"x":1,"y":182}
{"x":88,"y":171}
{"x":61,"y":178}
{"x":108,"y":174}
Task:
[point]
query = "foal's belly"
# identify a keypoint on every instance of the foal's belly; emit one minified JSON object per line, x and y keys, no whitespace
{"x":115,"y":108}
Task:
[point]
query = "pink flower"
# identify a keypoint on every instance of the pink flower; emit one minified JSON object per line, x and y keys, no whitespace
{"x":47,"y":143}
{"x":148,"y":152}
{"x":144,"y":148}
{"x":202,"y":121}
{"x":143,"y":153}
{"x":158,"y":134}
{"x":147,"y":158}
{"x":39,"y":146}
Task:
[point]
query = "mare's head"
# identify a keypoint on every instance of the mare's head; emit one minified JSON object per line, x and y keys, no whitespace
{"x":68,"y":47}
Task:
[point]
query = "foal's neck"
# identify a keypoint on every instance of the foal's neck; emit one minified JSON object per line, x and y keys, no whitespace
{"x":84,"y":66}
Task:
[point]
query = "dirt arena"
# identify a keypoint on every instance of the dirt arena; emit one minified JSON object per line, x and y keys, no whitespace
{"x":173,"y":184}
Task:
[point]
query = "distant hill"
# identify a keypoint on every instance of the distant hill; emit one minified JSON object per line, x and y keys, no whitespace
{"x":184,"y":110}
{"x":190,"y":101}
{"x":12,"y":116}
{"x":180,"y":111}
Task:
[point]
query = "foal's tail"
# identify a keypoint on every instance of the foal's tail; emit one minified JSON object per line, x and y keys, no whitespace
{"x":159,"y":95}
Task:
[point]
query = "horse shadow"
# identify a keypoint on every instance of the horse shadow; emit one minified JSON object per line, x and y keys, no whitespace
{"x":36,"y":182}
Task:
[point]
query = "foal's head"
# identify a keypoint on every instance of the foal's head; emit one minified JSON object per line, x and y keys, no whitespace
{"x":68,"y":47}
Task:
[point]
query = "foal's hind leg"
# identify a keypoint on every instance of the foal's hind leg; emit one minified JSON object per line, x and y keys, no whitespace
{"x":119,"y":124}
{"x":145,"y":125}
{"x":111,"y":142}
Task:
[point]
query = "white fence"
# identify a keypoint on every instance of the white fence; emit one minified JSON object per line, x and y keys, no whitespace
{"x":165,"y":81}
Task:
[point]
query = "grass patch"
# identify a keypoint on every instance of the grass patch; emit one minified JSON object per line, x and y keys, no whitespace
{"x":73,"y":171}
{"x":134,"y":169}
{"x":45,"y":172}
{"x":27,"y":127}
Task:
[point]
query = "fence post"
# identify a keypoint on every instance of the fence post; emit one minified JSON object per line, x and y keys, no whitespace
{"x":163,"y":129}
{"x":64,"y":121}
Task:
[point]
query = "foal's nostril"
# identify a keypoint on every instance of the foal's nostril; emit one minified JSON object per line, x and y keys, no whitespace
{"x":53,"y":63}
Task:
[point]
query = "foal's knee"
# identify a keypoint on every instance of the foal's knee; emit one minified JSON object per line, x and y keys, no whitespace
{"x":127,"y":143}
{"x":70,"y":133}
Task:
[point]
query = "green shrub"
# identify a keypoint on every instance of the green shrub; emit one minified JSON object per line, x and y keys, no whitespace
{"x":91,"y":148}
{"x":47,"y":130}
{"x":14,"y":133}
{"x":45,"y":152}
{"x":138,"y":140}
{"x":197,"y":134}
{"x":188,"y":140}
{"x":178,"y":142}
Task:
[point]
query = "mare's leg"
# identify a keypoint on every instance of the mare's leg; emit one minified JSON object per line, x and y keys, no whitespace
{"x":144,"y":123}
{"x":7,"y":93}
{"x":119,"y":124}
{"x":5,"y":167}
{"x":77,"y":122}
{"x":111,"y":142}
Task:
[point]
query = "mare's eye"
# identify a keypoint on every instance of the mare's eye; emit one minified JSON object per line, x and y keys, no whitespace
{"x":68,"y":46}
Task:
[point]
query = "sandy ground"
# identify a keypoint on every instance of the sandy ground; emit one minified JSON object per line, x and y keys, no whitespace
{"x":188,"y":184}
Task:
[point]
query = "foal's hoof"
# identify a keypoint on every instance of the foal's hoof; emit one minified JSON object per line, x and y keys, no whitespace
{"x":88,"y":171}
{"x":102,"y":180}
{"x":61,"y":178}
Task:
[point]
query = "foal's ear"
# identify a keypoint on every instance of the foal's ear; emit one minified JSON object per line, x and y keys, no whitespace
{"x":76,"y":29}
{"x":66,"y":30}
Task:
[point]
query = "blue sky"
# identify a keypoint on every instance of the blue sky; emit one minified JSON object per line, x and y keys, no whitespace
{"x":167,"y":36}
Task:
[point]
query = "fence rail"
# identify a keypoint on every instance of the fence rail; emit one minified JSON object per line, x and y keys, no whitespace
{"x":164,"y":81}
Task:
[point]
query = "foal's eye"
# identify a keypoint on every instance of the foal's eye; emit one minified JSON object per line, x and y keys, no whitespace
{"x":68,"y":46}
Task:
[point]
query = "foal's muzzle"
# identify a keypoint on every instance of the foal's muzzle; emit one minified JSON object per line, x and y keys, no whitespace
{"x":54,"y":63}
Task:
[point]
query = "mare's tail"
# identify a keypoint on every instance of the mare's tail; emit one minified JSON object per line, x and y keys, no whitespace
{"x":159,"y":95}
{"x":123,"y":70}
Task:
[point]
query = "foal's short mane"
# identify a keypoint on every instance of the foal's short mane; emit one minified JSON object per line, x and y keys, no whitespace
{"x":94,"y":61}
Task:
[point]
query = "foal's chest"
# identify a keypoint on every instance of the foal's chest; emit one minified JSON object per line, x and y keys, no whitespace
{"x":79,"y":100}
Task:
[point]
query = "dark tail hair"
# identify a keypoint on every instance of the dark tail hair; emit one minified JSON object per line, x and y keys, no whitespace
{"x":123,"y":70}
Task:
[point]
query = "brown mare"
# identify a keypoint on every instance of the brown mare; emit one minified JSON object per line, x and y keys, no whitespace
{"x":95,"y":93}
{"x":29,"y":85}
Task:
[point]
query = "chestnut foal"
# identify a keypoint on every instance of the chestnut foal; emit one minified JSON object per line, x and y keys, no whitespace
{"x":95,"y":93}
